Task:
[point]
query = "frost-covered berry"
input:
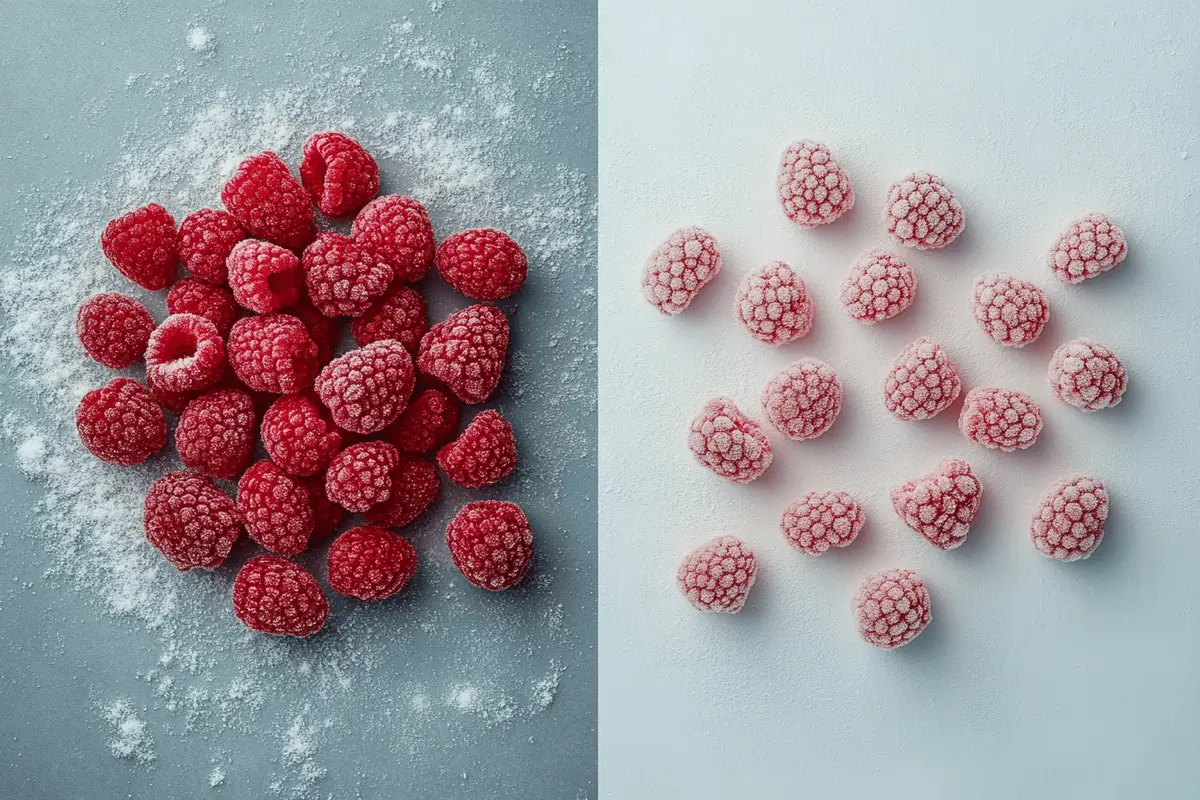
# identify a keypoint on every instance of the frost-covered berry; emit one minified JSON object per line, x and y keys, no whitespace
{"x":273,"y":353}
{"x":215,"y":434}
{"x":1069,"y":521}
{"x":343,"y":277}
{"x":821,"y":520}
{"x":1010,"y":310}
{"x":922,"y":212}
{"x":1091,"y":245}
{"x":206,"y":238}
{"x":679,"y":269}
{"x":803,"y":401}
{"x":370,"y":563}
{"x":813,"y":188}
{"x":728,"y":442}
{"x":361,"y":475}
{"x":185,"y":354}
{"x":399,"y":314}
{"x":339,"y":173}
{"x":483,"y":263}
{"x":1000,"y":419}
{"x":892,"y":608}
{"x":299,"y":435}
{"x":366,"y":389}
{"x":774,"y":304}
{"x":276,"y":507}
{"x":921,"y":382}
{"x":415,"y":485}
{"x":144,"y":246}
{"x":121,"y":423}
{"x":1087,"y":375}
{"x":491,"y":543}
{"x":717,"y":576}
{"x":273,"y":595}
{"x":214,"y":303}
{"x":269,"y":203}
{"x":397,"y":230}
{"x":264,"y":277}
{"x":941,"y":504}
{"x":190,"y":521}
{"x":114,"y":329}
{"x":466,"y":351}
{"x":880,"y":285}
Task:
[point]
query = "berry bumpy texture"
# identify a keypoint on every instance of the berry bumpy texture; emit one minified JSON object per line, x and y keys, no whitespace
{"x":803,"y":401}
{"x":114,"y":329}
{"x":892,"y":608}
{"x":366,"y":389}
{"x":491,"y":543}
{"x":214,"y":303}
{"x":143,"y":246}
{"x":121,"y":423}
{"x":399,"y":314}
{"x":276,"y":508}
{"x":269,"y":203}
{"x":880,"y":286}
{"x":717,"y":576}
{"x":1010,"y":310}
{"x":466,"y":352}
{"x":813,"y":188}
{"x":1087,"y":375}
{"x":264,"y":277}
{"x":415,"y":485}
{"x":370,"y":563}
{"x":185,"y":354}
{"x":922,"y":212}
{"x":273,"y":595}
{"x":206,"y":238}
{"x":428,"y":422}
{"x":483,"y":263}
{"x":483,"y":454}
{"x":1091,"y":245}
{"x":1000,"y":419}
{"x":1069,"y":521}
{"x":273,"y":353}
{"x":774,"y":304}
{"x":216,"y":433}
{"x":343,"y":277}
{"x":360,"y":476}
{"x":339,"y":173}
{"x":728,"y":442}
{"x":680,"y":267}
{"x":397,"y":230}
{"x":821,"y":520}
{"x":941,"y":504}
{"x":299,"y":435}
{"x":190,"y":521}
{"x":921,"y":382}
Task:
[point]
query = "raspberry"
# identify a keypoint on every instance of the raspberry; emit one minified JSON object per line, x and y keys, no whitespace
{"x":483,"y":264}
{"x":327,"y":515}
{"x":214,"y":303}
{"x":143,"y":246}
{"x":921,"y":382}
{"x":264,"y":277}
{"x":922,"y":212}
{"x":216,"y":433}
{"x":366,"y":389}
{"x":339,"y":173}
{"x":273,"y":595}
{"x":273,"y":353}
{"x":491,"y":543}
{"x":1091,"y":245}
{"x":483,"y":454}
{"x":171,"y":401}
{"x":813,"y":188}
{"x":728,"y":442}
{"x":370,"y":563}
{"x":185,"y":354}
{"x":774,"y":304}
{"x":361,"y":475}
{"x":880,"y":285}
{"x":121,"y":423}
{"x":1069,"y":521}
{"x":1000,"y":419}
{"x":269,"y":203}
{"x":803,"y":401}
{"x":399,"y":315}
{"x":821,"y":520}
{"x":276,"y":507}
{"x":428,"y":422}
{"x":190,"y":521}
{"x":1087,"y":375}
{"x":679,"y":269}
{"x":298,"y":434}
{"x":343,"y":278}
{"x":397,"y":230}
{"x":114,"y":329}
{"x":321,"y":329}
{"x":892,"y":607}
{"x":206,"y":237}
{"x":717,"y":576}
{"x":466,"y":352}
{"x":941,"y":504}
{"x":1010,"y":310}
{"x":415,"y":486}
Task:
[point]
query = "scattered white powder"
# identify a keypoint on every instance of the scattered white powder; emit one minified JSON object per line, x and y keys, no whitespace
{"x":216,"y":777}
{"x":199,"y":40}
{"x":129,"y":738}
{"x":31,"y":455}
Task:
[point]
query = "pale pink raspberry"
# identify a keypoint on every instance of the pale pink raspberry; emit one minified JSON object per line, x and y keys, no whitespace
{"x":728,"y":442}
{"x":922,"y":382}
{"x":892,"y":607}
{"x":821,"y":520}
{"x":774,"y":304}
{"x":880,"y":285}
{"x":1087,"y":375}
{"x":679,"y":269}
{"x":1091,"y":245}
{"x":717,"y":576}
{"x":941,"y":504}
{"x":922,"y":212}
{"x":813,"y":188}
{"x":1010,"y":310}
{"x":1069,"y":522}
{"x":1001,"y":419}
{"x":804,"y":400}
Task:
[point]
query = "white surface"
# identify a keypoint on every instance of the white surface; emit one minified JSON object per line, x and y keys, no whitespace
{"x":1036,"y":679}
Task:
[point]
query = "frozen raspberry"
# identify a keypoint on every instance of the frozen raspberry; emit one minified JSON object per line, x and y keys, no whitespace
{"x":1010,"y":310}
{"x":428,"y":422}
{"x":774,"y":304}
{"x":415,"y":485}
{"x":366,"y":389}
{"x":343,"y":278}
{"x":321,"y":329}
{"x":1069,"y":521}
{"x":269,"y":203}
{"x":491,"y":543}
{"x":370,"y":563}
{"x":171,"y":401}
{"x":880,"y":286}
{"x":679,"y":269}
{"x":483,"y":264}
{"x":717,"y":576}
{"x":892,"y":607}
{"x":821,"y":520}
{"x":206,"y":237}
{"x":466,"y":352}
{"x":114,"y":329}
{"x":273,"y":353}
{"x":1001,"y":419}
{"x":339,"y":173}
{"x":276,"y":508}
{"x":922,"y":382}
{"x":264,"y":277}
{"x":803,"y":401}
{"x":214,"y":303}
{"x":273,"y":595}
{"x":216,"y":433}
{"x":941,"y":504}
{"x":121,"y":423}
{"x":1087,"y":375}
{"x":143,"y":246}
{"x":922,"y":212}
{"x":298,"y":434}
{"x":1093,"y":244}
{"x":185,"y":354}
{"x":361,"y":475}
{"x":327,"y":515}
{"x":483,"y":454}
{"x":399,"y":315}
{"x":813,"y":187}
{"x":728,"y":442}
{"x":190,"y":521}
{"x":397,"y":230}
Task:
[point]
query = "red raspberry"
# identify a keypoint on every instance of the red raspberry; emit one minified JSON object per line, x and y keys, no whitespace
{"x":121,"y":423}
{"x":483,"y":263}
{"x":1010,"y":310}
{"x":399,"y":315}
{"x":880,"y":285}
{"x":803,"y":401}
{"x":273,"y":353}
{"x":143,"y":246}
{"x":206,"y":237}
{"x":717,"y":576}
{"x":821,"y":520}
{"x":491,"y":543}
{"x":1087,"y":375}
{"x":327,"y":515}
{"x":276,"y":507}
{"x":214,"y":303}
{"x":728,"y":442}
{"x":171,"y":401}
{"x":361,"y":475}
{"x":190,"y":521}
{"x":397,"y":230}
{"x":813,"y":187}
{"x":892,"y":607}
{"x":299,"y":435}
{"x":428,"y":422}
{"x":774,"y":304}
{"x":114,"y":329}
{"x":370,"y":563}
{"x":922,"y":212}
{"x":366,"y":389}
{"x":679,"y":269}
{"x":273,"y":595}
{"x":941,"y":504}
{"x":484,"y":453}
{"x":922,"y":382}
{"x":466,"y":352}
{"x":1000,"y":419}
{"x":323,"y":331}
{"x":343,"y":278}
{"x":185,"y":354}
{"x":216,"y":433}
{"x":1069,"y":521}
{"x":415,"y":486}
{"x":339,"y":173}
{"x":264,"y":277}
{"x":1091,"y":245}
{"x":269,"y":203}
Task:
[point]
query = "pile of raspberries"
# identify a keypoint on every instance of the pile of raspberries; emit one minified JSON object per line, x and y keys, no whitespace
{"x":247,"y":353}
{"x":803,"y":401}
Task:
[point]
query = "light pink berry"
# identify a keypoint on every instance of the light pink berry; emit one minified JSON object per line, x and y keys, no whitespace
{"x":922,"y":212}
{"x":813,"y":188}
{"x":821,"y":520}
{"x":728,"y":442}
{"x":880,"y":285}
{"x":679,"y":269}
{"x":1091,"y":245}
{"x":941,"y":504}
{"x":922,"y":382}
{"x":1010,"y":310}
{"x":1069,"y":522}
{"x":892,"y":607}
{"x":1087,"y":375}
{"x":717,"y":576}
{"x":804,"y":400}
{"x":774,"y":304}
{"x":1001,"y":419}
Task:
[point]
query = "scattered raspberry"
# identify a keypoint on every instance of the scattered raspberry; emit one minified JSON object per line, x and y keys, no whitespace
{"x":483,"y":264}
{"x":343,"y":278}
{"x":276,"y":508}
{"x":397,"y":230}
{"x":1001,"y":419}
{"x":728,"y":442}
{"x":273,"y":595}
{"x":941,"y":504}
{"x":114,"y":329}
{"x":206,"y":237}
{"x":892,"y":607}
{"x":679,"y":269}
{"x":813,"y":188}
{"x":880,"y":285}
{"x":821,"y":520}
{"x":366,"y":389}
{"x":190,"y":521}
{"x":321,"y":329}
{"x":171,"y":401}
{"x":299,"y":435}
{"x":143,"y":246}
{"x":466,"y":352}
{"x":1093,"y":244}
{"x":804,"y":400}
{"x":327,"y":515}
{"x":1087,"y":375}
{"x":923,"y":213}
{"x":428,"y":422}
{"x":339,"y":173}
{"x":1010,"y":310}
{"x":774,"y":305}
{"x":370,"y":563}
{"x":269,"y":203}
{"x":1069,"y":521}
{"x":921,"y":382}
{"x":214,"y":303}
{"x":216,"y":433}
{"x":361,"y":475}
{"x":717,"y":576}
{"x":264,"y":277}
{"x":121,"y":423}
{"x":491,"y":543}
{"x":483,"y":454}
{"x":273,"y":353}
{"x":415,"y":485}
{"x":185,"y":354}
{"x":399,"y":315}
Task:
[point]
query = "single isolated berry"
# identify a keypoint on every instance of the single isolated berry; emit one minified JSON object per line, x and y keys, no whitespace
{"x":214,"y":303}
{"x":803,"y":401}
{"x":269,"y":203}
{"x":892,"y":608}
{"x":728,"y":442}
{"x":1010,"y":310}
{"x":774,"y":304}
{"x":466,"y":352}
{"x":399,"y":314}
{"x":1069,"y":521}
{"x":483,"y":454}
{"x":941,"y":504}
{"x":415,"y":485}
{"x":366,"y":389}
{"x":821,"y":520}
{"x":1000,"y":419}
{"x":922,"y":212}
{"x":813,"y":188}
{"x":1087,"y":375}
{"x":1091,"y":245}
{"x":360,"y":476}
{"x":143,"y":246}
{"x":185,"y":354}
{"x":397,"y":230}
{"x":370,"y":563}
{"x":206,"y":238}
{"x":299,"y":435}
{"x":483,"y":263}
{"x":717,"y":576}
{"x":343,"y":277}
{"x":491,"y":543}
{"x":321,"y":329}
{"x":114,"y":329}
{"x":327,"y":515}
{"x":339,"y":173}
{"x":880,"y":286}
{"x":273,"y":595}
{"x":276,"y":508}
{"x":922,"y":382}
{"x":216,"y":433}
{"x":679,"y":269}
{"x":190,"y":521}
{"x":428,"y":422}
{"x":121,"y":423}
{"x":264,"y":276}
{"x":273,"y":353}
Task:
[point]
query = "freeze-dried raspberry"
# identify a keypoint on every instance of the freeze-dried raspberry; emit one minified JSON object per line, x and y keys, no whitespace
{"x":1010,"y":310}
{"x":273,"y":353}
{"x":415,"y":485}
{"x":361,"y":475}
{"x":299,"y":435}
{"x":1087,"y":375}
{"x":813,"y":188}
{"x":143,"y":246}
{"x":679,"y":269}
{"x":922,"y":212}
{"x":206,"y":237}
{"x":121,"y":423}
{"x":366,"y":389}
{"x":190,"y":521}
{"x":1091,"y":245}
{"x":728,"y":442}
{"x":483,"y":454}
{"x":370,"y":563}
{"x":1069,"y":521}
{"x":880,"y":285}
{"x":821,"y":520}
{"x":491,"y":543}
{"x":397,"y":230}
{"x":717,"y":576}
{"x":114,"y":329}
{"x":921,"y":382}
{"x":273,"y":595}
{"x":428,"y":422}
{"x":327,"y":515}
{"x":343,"y":278}
{"x":483,"y":263}
{"x":774,"y":304}
{"x":466,"y":352}
{"x":185,"y":354}
{"x":892,"y":607}
{"x":1001,"y":419}
{"x":264,"y":276}
{"x":323,"y":330}
{"x":803,"y":401}
{"x":216,"y":433}
{"x":941,"y":504}
{"x":399,"y":315}
{"x":339,"y":173}
{"x":214,"y":303}
{"x":269,"y":203}
{"x":276,"y":508}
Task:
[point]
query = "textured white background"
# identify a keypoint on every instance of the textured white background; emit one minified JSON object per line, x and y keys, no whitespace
{"x":1036,"y":679}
